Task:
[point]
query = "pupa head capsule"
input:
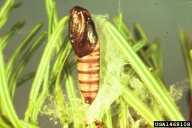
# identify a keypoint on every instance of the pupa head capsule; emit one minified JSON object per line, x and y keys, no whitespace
{"x":82,"y":31}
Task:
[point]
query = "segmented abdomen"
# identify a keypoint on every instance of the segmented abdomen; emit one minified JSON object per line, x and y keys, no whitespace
{"x":88,"y":74}
{"x":84,"y":39}
{"x":85,"y":44}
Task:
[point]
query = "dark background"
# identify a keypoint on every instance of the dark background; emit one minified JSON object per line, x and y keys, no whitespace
{"x":159,"y":18}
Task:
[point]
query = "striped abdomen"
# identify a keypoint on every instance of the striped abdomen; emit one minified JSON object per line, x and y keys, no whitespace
{"x":88,"y":74}
{"x":85,"y":44}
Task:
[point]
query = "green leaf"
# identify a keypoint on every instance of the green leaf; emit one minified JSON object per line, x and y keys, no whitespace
{"x":151,"y":83}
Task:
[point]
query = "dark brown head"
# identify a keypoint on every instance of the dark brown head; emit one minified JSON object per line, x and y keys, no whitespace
{"x":82,"y":31}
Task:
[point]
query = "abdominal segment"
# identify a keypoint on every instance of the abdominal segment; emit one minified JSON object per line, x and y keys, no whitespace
{"x":88,"y":74}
